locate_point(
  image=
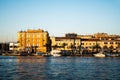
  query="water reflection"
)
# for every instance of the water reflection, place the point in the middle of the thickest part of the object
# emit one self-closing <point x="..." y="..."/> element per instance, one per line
<point x="31" y="59"/>
<point x="59" y="68"/>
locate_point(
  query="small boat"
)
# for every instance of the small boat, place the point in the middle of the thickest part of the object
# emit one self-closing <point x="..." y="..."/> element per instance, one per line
<point x="55" y="53"/>
<point x="65" y="53"/>
<point x="100" y="54"/>
<point x="39" y="53"/>
<point x="45" y="54"/>
<point x="112" y="54"/>
<point x="25" y="53"/>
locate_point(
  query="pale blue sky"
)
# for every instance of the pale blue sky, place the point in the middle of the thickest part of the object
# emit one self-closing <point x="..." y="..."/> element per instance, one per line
<point x="59" y="17"/>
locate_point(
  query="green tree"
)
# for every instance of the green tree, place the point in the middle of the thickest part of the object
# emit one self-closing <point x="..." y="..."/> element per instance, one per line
<point x="96" y="47"/>
<point x="64" y="44"/>
<point x="111" y="48"/>
<point x="72" y="48"/>
<point x="55" y="46"/>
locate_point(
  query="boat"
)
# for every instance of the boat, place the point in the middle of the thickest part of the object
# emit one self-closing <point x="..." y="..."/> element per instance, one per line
<point x="55" y="53"/>
<point x="100" y="54"/>
<point x="65" y="53"/>
<point x="45" y="54"/>
<point x="25" y="53"/>
<point x="39" y="53"/>
<point x="112" y="54"/>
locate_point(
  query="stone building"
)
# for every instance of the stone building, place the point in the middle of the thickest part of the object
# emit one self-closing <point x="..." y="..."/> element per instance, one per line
<point x="34" y="40"/>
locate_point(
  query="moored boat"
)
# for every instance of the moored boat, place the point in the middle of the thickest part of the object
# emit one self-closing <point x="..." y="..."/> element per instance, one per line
<point x="55" y="53"/>
<point x="65" y="53"/>
<point x="100" y="54"/>
<point x="112" y="54"/>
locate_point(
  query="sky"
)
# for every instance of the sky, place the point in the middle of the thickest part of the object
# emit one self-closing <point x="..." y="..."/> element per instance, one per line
<point x="59" y="17"/>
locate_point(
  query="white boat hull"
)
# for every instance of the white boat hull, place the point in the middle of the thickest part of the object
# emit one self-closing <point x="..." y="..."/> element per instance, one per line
<point x="55" y="53"/>
<point x="99" y="55"/>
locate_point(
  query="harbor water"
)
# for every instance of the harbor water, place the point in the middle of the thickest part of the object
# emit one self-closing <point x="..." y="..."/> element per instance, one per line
<point x="58" y="68"/>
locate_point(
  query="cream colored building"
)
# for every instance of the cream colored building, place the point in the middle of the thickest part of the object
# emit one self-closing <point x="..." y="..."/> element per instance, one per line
<point x="33" y="40"/>
<point x="69" y="42"/>
<point x="86" y="43"/>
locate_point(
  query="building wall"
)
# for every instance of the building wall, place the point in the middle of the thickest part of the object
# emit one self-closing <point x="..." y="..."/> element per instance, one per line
<point x="64" y="40"/>
<point x="33" y="40"/>
<point x="13" y="46"/>
<point x="86" y="43"/>
<point x="4" y="47"/>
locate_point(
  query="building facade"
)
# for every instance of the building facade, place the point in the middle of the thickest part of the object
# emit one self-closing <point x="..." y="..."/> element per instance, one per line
<point x="34" y="40"/>
<point x="13" y="46"/>
<point x="85" y="43"/>
<point x="4" y="47"/>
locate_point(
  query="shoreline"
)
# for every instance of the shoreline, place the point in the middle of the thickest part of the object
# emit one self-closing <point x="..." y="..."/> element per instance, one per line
<point x="84" y="55"/>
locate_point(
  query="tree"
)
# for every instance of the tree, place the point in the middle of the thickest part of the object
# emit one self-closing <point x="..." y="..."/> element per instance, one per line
<point x="64" y="44"/>
<point x="55" y="46"/>
<point x="96" y="47"/>
<point x="105" y="48"/>
<point x="111" y="48"/>
<point x="72" y="48"/>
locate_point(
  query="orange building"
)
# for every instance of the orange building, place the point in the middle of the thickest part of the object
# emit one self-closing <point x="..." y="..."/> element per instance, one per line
<point x="34" y="40"/>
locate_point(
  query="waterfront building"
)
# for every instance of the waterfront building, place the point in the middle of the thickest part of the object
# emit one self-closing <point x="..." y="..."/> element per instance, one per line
<point x="65" y="43"/>
<point x="13" y="46"/>
<point x="90" y="43"/>
<point x="4" y="47"/>
<point x="69" y="42"/>
<point x="34" y="40"/>
<point x="99" y="35"/>
<point x="85" y="36"/>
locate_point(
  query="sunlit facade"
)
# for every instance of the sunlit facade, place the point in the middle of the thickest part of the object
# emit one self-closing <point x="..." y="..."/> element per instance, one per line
<point x="65" y="43"/>
<point x="103" y="42"/>
<point x="33" y="40"/>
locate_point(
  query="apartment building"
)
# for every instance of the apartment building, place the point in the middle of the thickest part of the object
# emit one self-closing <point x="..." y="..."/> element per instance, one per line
<point x="65" y="42"/>
<point x="34" y="40"/>
<point x="86" y="42"/>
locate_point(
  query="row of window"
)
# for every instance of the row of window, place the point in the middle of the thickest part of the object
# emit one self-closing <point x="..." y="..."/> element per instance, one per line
<point x="90" y="43"/>
<point x="68" y="40"/>
<point x="111" y="42"/>
<point x="33" y="45"/>
<point x="60" y="44"/>
<point x="38" y="36"/>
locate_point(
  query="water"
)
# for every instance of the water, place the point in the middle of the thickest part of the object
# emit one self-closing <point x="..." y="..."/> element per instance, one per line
<point x="59" y="68"/>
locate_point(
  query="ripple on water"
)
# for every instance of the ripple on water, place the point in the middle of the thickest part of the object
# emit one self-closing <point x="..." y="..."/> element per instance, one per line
<point x="61" y="68"/>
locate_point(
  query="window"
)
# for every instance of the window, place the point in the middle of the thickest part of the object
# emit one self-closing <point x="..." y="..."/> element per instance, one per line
<point x="82" y="43"/>
<point x="105" y="43"/>
<point x="111" y="42"/>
